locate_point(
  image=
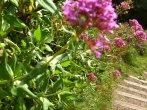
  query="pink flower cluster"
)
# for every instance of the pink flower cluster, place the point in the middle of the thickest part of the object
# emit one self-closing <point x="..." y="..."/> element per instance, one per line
<point x="140" y="35"/>
<point x="115" y="74"/>
<point x="90" y="13"/>
<point x="97" y="45"/>
<point x="103" y="43"/>
<point x="125" y="5"/>
<point x="135" y="25"/>
<point x="138" y="30"/>
<point x="91" y="77"/>
<point x="118" y="42"/>
<point x="138" y="45"/>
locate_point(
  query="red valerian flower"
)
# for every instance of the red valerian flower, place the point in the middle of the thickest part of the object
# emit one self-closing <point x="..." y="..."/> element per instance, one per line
<point x="135" y="25"/>
<point x="140" y="35"/>
<point x="118" y="42"/>
<point x="90" y="13"/>
<point x="115" y="74"/>
<point x="97" y="45"/>
<point x="91" y="77"/>
<point x="125" y="5"/>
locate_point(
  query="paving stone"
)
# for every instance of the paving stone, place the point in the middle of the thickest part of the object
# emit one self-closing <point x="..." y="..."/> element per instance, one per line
<point x="132" y="91"/>
<point x="131" y="94"/>
<point x="120" y="105"/>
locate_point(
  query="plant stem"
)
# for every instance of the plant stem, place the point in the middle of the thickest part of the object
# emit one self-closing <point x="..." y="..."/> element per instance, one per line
<point x="21" y="77"/>
<point x="1" y="9"/>
<point x="62" y="49"/>
<point x="7" y="81"/>
<point x="51" y="94"/>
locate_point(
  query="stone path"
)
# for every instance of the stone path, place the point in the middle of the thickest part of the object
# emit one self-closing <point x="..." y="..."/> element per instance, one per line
<point x="131" y="94"/>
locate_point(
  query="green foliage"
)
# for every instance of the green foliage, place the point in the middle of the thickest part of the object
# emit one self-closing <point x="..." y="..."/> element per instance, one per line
<point x="45" y="66"/>
<point x="140" y="10"/>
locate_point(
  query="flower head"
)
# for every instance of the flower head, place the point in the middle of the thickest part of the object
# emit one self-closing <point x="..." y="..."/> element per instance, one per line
<point x="135" y="25"/>
<point x="138" y="45"/>
<point x="91" y="77"/>
<point x="118" y="42"/>
<point x="115" y="74"/>
<point x="97" y="45"/>
<point x="125" y="5"/>
<point x="90" y="13"/>
<point x="140" y="35"/>
<point x="129" y="37"/>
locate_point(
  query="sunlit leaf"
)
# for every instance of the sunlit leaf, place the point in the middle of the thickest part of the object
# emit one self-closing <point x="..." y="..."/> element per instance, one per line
<point x="56" y="59"/>
<point x="37" y="34"/>
<point x="15" y="2"/>
<point x="14" y="21"/>
<point x="23" y="43"/>
<point x="2" y="33"/>
<point x="65" y="64"/>
<point x="36" y="107"/>
<point x="11" y="43"/>
<point x="48" y="48"/>
<point x="46" y="103"/>
<point x="66" y="95"/>
<point x="49" y="5"/>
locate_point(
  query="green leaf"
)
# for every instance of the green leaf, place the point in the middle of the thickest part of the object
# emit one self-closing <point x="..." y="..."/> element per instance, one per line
<point x="68" y="83"/>
<point x="65" y="64"/>
<point x="50" y="6"/>
<point x="60" y="106"/>
<point x="6" y="72"/>
<point x="13" y="62"/>
<point x="56" y="59"/>
<point x="5" y="26"/>
<point x="24" y="89"/>
<point x="75" y="67"/>
<point x="18" y="68"/>
<point x="23" y="43"/>
<point x="36" y="107"/>
<point x="12" y="44"/>
<point x="46" y="37"/>
<point x="39" y="79"/>
<point x="14" y="21"/>
<point x="15" y="2"/>
<point x="48" y="48"/>
<point x="46" y="19"/>
<point x="56" y="85"/>
<point x="13" y="89"/>
<point x="7" y="107"/>
<point x="32" y="54"/>
<point x="19" y="104"/>
<point x="2" y="33"/>
<point x="46" y="103"/>
<point x="3" y="94"/>
<point x="40" y="68"/>
<point x="32" y="38"/>
<point x="45" y="84"/>
<point x="37" y="34"/>
<point x="66" y="95"/>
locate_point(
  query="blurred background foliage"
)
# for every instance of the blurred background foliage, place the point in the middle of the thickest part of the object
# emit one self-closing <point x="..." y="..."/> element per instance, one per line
<point x="139" y="12"/>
